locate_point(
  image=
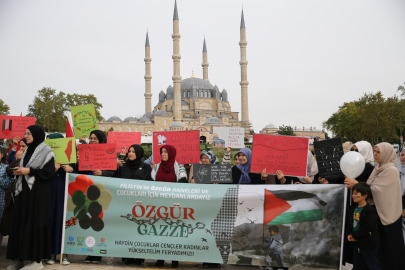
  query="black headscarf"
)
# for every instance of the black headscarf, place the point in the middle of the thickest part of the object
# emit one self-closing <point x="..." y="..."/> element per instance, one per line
<point x="39" y="136"/>
<point x="135" y="164"/>
<point x="100" y="136"/>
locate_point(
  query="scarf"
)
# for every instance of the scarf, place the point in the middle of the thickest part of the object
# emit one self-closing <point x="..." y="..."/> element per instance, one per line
<point x="402" y="171"/>
<point x="166" y="169"/>
<point x="136" y="163"/>
<point x="366" y="150"/>
<point x="312" y="167"/>
<point x="385" y="186"/>
<point x="38" y="135"/>
<point x="55" y="136"/>
<point x="211" y="156"/>
<point x="245" y="169"/>
<point x="100" y="136"/>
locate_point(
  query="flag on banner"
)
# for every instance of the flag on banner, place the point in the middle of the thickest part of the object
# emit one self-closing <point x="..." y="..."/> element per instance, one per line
<point x="290" y="206"/>
<point x="69" y="129"/>
<point x="7" y="126"/>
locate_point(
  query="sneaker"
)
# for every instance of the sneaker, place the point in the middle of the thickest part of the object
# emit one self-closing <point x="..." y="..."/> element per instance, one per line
<point x="88" y="259"/>
<point x="33" y="266"/>
<point x="52" y="260"/>
<point x="65" y="260"/>
<point x="96" y="259"/>
<point x="17" y="264"/>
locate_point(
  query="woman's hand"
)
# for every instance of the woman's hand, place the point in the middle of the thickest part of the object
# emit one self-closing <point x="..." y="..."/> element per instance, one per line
<point x="57" y="166"/>
<point x="19" y="154"/>
<point x="297" y="183"/>
<point x="97" y="173"/>
<point x="152" y="164"/>
<point x="281" y="176"/>
<point x="120" y="162"/>
<point x="199" y="162"/>
<point x="83" y="139"/>
<point x="264" y="174"/>
<point x="22" y="171"/>
<point x="67" y="168"/>
<point x="192" y="181"/>
<point x="349" y="183"/>
<point x="307" y="180"/>
<point x="323" y="181"/>
<point x="15" y="142"/>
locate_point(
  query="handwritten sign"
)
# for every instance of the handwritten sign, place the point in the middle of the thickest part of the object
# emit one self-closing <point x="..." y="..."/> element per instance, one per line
<point x="187" y="145"/>
<point x="212" y="173"/>
<point x="12" y="126"/>
<point x="84" y="120"/>
<point x="97" y="157"/>
<point x="64" y="149"/>
<point x="228" y="137"/>
<point x="124" y="140"/>
<point x="328" y="155"/>
<point x="288" y="154"/>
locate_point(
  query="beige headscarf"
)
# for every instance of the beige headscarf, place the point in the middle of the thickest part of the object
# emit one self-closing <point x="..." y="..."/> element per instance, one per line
<point x="312" y="167"/>
<point x="347" y="146"/>
<point x="385" y="185"/>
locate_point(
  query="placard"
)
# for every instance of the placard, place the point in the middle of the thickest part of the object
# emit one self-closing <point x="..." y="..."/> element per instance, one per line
<point x="288" y="154"/>
<point x="212" y="173"/>
<point x="12" y="126"/>
<point x="187" y="145"/>
<point x="328" y="155"/>
<point x="228" y="137"/>
<point x="97" y="157"/>
<point x="64" y="149"/>
<point x="124" y="140"/>
<point x="84" y="120"/>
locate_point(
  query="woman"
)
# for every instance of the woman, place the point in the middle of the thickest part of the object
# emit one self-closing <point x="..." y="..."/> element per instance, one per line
<point x="386" y="190"/>
<point x="207" y="157"/>
<point x="366" y="150"/>
<point x="402" y="173"/>
<point x="18" y="156"/>
<point x="56" y="205"/>
<point x="13" y="151"/>
<point x="168" y="170"/>
<point x="29" y="237"/>
<point x="241" y="173"/>
<point x="5" y="182"/>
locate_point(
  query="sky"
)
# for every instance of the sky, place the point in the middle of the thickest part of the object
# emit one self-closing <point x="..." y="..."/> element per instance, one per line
<point x="306" y="58"/>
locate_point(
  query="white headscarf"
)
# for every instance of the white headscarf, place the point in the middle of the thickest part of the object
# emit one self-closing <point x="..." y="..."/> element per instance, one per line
<point x="312" y="167"/>
<point x="366" y="150"/>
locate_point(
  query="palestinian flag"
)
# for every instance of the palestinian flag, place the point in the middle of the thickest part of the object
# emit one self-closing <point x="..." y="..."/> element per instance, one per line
<point x="7" y="126"/>
<point x="291" y="206"/>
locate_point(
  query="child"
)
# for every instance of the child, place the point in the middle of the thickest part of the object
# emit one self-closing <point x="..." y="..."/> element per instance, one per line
<point x="365" y="230"/>
<point x="276" y="248"/>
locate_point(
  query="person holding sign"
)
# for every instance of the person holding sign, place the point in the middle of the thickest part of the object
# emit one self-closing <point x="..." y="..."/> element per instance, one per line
<point x="366" y="150"/>
<point x="207" y="157"/>
<point x="29" y="238"/>
<point x="241" y="173"/>
<point x="17" y="145"/>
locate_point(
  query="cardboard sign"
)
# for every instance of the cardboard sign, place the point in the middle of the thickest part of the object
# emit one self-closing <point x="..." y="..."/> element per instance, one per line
<point x="64" y="149"/>
<point x="328" y="155"/>
<point x="288" y="154"/>
<point x="187" y="145"/>
<point x="212" y="173"/>
<point x="97" y="157"/>
<point x="228" y="137"/>
<point x="12" y="126"/>
<point x="124" y="140"/>
<point x="84" y="120"/>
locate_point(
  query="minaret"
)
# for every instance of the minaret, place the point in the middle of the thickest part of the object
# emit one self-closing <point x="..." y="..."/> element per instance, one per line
<point x="148" y="77"/>
<point x="176" y="65"/>
<point x="244" y="82"/>
<point x="205" y="62"/>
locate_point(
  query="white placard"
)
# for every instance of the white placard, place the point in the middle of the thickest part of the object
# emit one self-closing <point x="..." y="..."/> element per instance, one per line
<point x="229" y="137"/>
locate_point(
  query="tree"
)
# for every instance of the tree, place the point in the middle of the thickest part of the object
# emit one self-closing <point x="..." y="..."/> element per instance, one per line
<point x="4" y="108"/>
<point x="106" y="132"/>
<point x="401" y="88"/>
<point x="286" y="130"/>
<point x="251" y="132"/>
<point x="326" y="135"/>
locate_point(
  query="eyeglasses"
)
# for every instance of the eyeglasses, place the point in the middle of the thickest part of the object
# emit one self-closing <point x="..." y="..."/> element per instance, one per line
<point x="27" y="134"/>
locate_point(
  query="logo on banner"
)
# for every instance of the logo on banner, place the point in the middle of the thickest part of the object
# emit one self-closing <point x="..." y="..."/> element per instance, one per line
<point x="7" y="126"/>
<point x="71" y="239"/>
<point x="80" y="239"/>
<point x="86" y="250"/>
<point x="73" y="249"/>
<point x="101" y="251"/>
<point x="102" y="243"/>
<point x="90" y="241"/>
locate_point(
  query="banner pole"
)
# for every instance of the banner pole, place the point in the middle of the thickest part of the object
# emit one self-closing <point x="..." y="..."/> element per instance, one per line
<point x="343" y="228"/>
<point x="64" y="219"/>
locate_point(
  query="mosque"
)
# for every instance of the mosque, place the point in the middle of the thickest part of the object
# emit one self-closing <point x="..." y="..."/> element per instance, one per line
<point x="190" y="104"/>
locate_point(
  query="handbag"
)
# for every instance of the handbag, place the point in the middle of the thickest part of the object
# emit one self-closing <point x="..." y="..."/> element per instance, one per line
<point x="6" y="219"/>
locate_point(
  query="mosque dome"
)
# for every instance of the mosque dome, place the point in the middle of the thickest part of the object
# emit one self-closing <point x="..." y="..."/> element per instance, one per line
<point x="216" y="87"/>
<point x="213" y="120"/>
<point x="270" y="126"/>
<point x="161" y="113"/>
<point x="176" y="124"/>
<point x="130" y="119"/>
<point x="148" y="115"/>
<point x="114" y="118"/>
<point x="161" y="93"/>
<point x="196" y="83"/>
<point x="144" y="119"/>
<point x="170" y="88"/>
<point x="224" y="92"/>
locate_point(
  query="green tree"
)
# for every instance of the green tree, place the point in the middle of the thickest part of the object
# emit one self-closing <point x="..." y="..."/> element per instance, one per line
<point x="401" y="88"/>
<point x="326" y="135"/>
<point x="4" y="108"/>
<point x="77" y="100"/>
<point x="106" y="132"/>
<point x="286" y="130"/>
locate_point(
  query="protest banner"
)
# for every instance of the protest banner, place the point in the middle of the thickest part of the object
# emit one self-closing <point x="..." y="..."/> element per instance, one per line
<point x="84" y="120"/>
<point x="288" y="154"/>
<point x="124" y="140"/>
<point x="328" y="155"/>
<point x="12" y="126"/>
<point x="97" y="157"/>
<point x="203" y="223"/>
<point x="229" y="137"/>
<point x="187" y="145"/>
<point x="212" y="173"/>
<point x="64" y="149"/>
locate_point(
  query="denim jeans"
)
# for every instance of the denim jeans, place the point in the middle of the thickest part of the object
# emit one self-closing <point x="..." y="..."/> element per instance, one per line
<point x="365" y="257"/>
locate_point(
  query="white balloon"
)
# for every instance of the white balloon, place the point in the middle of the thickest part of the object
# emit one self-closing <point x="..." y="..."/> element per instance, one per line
<point x="352" y="164"/>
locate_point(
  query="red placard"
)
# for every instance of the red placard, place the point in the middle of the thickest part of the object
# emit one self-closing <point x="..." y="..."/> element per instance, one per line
<point x="187" y="145"/>
<point x="288" y="154"/>
<point x="97" y="157"/>
<point x="12" y="126"/>
<point x="124" y="140"/>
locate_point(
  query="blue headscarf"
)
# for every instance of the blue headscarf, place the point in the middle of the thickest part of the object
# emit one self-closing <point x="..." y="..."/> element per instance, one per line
<point x="245" y="169"/>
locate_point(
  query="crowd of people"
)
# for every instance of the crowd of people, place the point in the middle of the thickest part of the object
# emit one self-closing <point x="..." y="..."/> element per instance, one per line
<point x="32" y="188"/>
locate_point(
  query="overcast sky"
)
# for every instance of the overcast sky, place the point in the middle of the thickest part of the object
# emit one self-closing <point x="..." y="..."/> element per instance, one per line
<point x="305" y="57"/>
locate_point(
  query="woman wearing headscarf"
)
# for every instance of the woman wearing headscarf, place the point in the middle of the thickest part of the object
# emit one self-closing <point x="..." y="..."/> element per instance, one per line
<point x="29" y="238"/>
<point x="366" y="150"/>
<point x="168" y="170"/>
<point x="5" y="182"/>
<point x="387" y="198"/>
<point x="241" y="173"/>
<point x="23" y="146"/>
<point x="402" y="173"/>
<point x="207" y="157"/>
